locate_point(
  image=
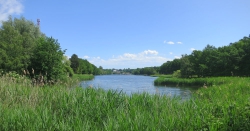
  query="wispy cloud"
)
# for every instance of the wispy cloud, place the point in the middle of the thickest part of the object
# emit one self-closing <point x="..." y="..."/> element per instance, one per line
<point x="170" y="53"/>
<point x="129" y="60"/>
<point x="192" y="49"/>
<point x="153" y="52"/>
<point x="85" y="57"/>
<point x="10" y="7"/>
<point x="171" y="42"/>
<point x="168" y="42"/>
<point x="177" y="57"/>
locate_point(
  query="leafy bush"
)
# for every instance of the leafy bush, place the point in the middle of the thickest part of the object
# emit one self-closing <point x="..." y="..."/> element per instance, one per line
<point x="177" y="74"/>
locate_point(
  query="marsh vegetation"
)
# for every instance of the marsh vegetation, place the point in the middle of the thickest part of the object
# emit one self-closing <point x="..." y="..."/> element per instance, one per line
<point x="219" y="107"/>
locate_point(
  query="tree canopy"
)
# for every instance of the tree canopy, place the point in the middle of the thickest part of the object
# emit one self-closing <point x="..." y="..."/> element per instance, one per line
<point x="231" y="60"/>
<point x="24" y="47"/>
<point x="82" y="66"/>
<point x="47" y="58"/>
<point x="17" y="41"/>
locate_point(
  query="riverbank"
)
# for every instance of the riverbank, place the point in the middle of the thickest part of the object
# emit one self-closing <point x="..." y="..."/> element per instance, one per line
<point x="200" y="82"/>
<point x="23" y="107"/>
<point x="82" y="77"/>
<point x="75" y="80"/>
<point x="159" y="75"/>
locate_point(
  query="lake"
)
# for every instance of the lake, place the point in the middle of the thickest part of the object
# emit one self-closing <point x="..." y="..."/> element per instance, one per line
<point x="136" y="84"/>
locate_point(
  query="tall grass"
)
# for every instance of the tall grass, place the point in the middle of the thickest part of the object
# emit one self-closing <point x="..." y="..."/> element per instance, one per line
<point x="23" y="107"/>
<point x="82" y="77"/>
<point x="194" y="81"/>
<point x="160" y="75"/>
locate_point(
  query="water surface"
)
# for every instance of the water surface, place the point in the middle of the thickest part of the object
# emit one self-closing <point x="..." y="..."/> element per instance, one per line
<point x="136" y="84"/>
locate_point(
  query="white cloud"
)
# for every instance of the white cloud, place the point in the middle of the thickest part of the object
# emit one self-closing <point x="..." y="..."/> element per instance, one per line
<point x="85" y="57"/>
<point x="192" y="49"/>
<point x="170" y="42"/>
<point x="177" y="57"/>
<point x="128" y="55"/>
<point x="153" y="52"/>
<point x="129" y="60"/>
<point x="170" y="53"/>
<point x="10" y="7"/>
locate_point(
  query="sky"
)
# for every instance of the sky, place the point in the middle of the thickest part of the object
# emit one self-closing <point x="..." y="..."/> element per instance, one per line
<point x="135" y="33"/>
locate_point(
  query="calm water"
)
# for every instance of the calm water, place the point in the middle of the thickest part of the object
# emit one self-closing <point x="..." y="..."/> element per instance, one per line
<point x="136" y="84"/>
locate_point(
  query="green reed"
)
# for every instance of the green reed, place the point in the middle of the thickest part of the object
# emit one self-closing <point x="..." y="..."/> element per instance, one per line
<point x="194" y="81"/>
<point x="82" y="77"/>
<point x="219" y="107"/>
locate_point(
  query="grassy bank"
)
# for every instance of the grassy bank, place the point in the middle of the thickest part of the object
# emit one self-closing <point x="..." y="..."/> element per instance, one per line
<point x="74" y="81"/>
<point x="159" y="75"/>
<point x="82" y="77"/>
<point x="23" y="107"/>
<point x="194" y="81"/>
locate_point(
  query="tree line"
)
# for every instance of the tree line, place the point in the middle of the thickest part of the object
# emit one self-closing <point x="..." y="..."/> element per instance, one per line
<point x="230" y="60"/>
<point x="82" y="66"/>
<point x="26" y="50"/>
<point x="137" y="71"/>
<point x="146" y="71"/>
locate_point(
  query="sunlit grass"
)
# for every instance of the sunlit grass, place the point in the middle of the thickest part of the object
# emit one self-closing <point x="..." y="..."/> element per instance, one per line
<point x="194" y="81"/>
<point x="160" y="75"/>
<point x="82" y="77"/>
<point x="219" y="107"/>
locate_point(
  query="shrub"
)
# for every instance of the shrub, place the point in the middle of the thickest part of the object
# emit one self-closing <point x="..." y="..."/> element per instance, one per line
<point x="177" y="74"/>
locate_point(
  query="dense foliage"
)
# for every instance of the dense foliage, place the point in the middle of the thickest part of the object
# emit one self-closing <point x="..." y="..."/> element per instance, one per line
<point x="170" y="66"/>
<point x="231" y="60"/>
<point x="47" y="58"/>
<point x="17" y="41"/>
<point x="26" y="50"/>
<point x="82" y="66"/>
<point x="146" y="71"/>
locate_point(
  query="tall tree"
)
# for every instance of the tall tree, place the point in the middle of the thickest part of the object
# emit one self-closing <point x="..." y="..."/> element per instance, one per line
<point x="47" y="58"/>
<point x="187" y="69"/>
<point x="67" y="69"/>
<point x="196" y="59"/>
<point x="74" y="63"/>
<point x="17" y="41"/>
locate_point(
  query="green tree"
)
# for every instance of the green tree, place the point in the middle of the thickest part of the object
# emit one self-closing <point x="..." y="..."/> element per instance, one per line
<point x="74" y="63"/>
<point x="196" y="59"/>
<point x="17" y="41"/>
<point x="209" y="58"/>
<point x="67" y="69"/>
<point x="244" y="64"/>
<point x="83" y="67"/>
<point x="48" y="58"/>
<point x="187" y="69"/>
<point x="170" y="66"/>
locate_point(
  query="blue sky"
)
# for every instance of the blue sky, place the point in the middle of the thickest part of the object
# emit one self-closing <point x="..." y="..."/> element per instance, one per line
<point x="135" y="33"/>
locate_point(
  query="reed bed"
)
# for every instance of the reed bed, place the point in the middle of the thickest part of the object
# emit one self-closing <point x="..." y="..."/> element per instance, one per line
<point x="82" y="77"/>
<point x="24" y="107"/>
<point x="212" y="81"/>
<point x="160" y="75"/>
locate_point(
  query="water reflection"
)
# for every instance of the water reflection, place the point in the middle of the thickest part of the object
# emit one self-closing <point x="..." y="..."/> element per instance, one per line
<point x="136" y="84"/>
